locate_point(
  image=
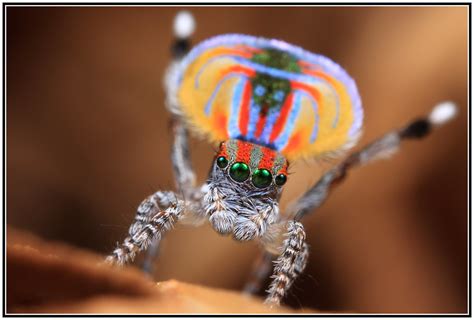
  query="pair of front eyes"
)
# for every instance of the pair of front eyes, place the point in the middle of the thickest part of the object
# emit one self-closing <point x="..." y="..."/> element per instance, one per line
<point x="240" y="172"/>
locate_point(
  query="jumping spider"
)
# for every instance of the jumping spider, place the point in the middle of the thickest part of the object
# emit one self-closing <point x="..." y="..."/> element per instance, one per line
<point x="267" y="102"/>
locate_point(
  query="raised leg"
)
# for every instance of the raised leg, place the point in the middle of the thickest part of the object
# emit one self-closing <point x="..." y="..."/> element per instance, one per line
<point x="380" y="148"/>
<point x="155" y="215"/>
<point x="289" y="264"/>
<point x="294" y="255"/>
<point x="183" y="172"/>
<point x="185" y="177"/>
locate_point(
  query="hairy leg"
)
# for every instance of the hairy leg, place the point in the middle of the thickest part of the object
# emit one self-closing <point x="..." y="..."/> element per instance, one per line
<point x="295" y="252"/>
<point x="380" y="148"/>
<point x="155" y="215"/>
<point x="271" y="241"/>
<point x="289" y="264"/>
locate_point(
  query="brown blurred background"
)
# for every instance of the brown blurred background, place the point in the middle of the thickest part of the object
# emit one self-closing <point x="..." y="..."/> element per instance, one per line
<point x="88" y="139"/>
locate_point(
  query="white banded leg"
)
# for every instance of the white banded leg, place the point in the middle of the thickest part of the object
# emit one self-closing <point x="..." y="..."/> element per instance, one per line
<point x="295" y="251"/>
<point x="380" y="148"/>
<point x="155" y="215"/>
<point x="289" y="264"/>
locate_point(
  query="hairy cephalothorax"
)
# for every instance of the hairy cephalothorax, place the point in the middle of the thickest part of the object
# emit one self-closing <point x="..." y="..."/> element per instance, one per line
<point x="238" y="202"/>
<point x="267" y="103"/>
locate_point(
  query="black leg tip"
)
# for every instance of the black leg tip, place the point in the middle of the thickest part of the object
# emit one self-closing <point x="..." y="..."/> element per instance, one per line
<point x="416" y="129"/>
<point x="180" y="48"/>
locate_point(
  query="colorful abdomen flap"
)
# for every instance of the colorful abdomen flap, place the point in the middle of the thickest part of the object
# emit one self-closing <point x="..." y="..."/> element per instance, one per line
<point x="270" y="93"/>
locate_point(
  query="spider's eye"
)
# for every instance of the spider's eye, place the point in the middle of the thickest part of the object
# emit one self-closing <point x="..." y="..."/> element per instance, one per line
<point x="280" y="179"/>
<point x="261" y="178"/>
<point x="222" y="162"/>
<point x="239" y="171"/>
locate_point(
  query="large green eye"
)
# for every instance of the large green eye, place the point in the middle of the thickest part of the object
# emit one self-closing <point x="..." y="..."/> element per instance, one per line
<point x="280" y="179"/>
<point x="239" y="171"/>
<point x="261" y="178"/>
<point x="222" y="162"/>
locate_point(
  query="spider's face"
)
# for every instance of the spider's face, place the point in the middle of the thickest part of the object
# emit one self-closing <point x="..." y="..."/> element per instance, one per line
<point x="244" y="187"/>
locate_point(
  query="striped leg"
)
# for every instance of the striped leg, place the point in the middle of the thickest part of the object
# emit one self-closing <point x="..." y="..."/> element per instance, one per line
<point x="380" y="148"/>
<point x="155" y="215"/>
<point x="289" y="264"/>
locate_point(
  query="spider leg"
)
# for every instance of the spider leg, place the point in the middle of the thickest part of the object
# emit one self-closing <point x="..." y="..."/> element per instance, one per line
<point x="380" y="148"/>
<point x="185" y="177"/>
<point x="271" y="247"/>
<point x="260" y="271"/>
<point x="155" y="215"/>
<point x="289" y="264"/>
<point x="151" y="254"/>
<point x="294" y="255"/>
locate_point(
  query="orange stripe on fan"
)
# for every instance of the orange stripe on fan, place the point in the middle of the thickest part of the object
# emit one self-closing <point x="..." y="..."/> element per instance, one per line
<point x="238" y="69"/>
<point x="245" y="109"/>
<point x="294" y="143"/>
<point x="323" y="75"/>
<point x="260" y="124"/>
<point x="312" y="91"/>
<point x="282" y="118"/>
<point x="219" y="121"/>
